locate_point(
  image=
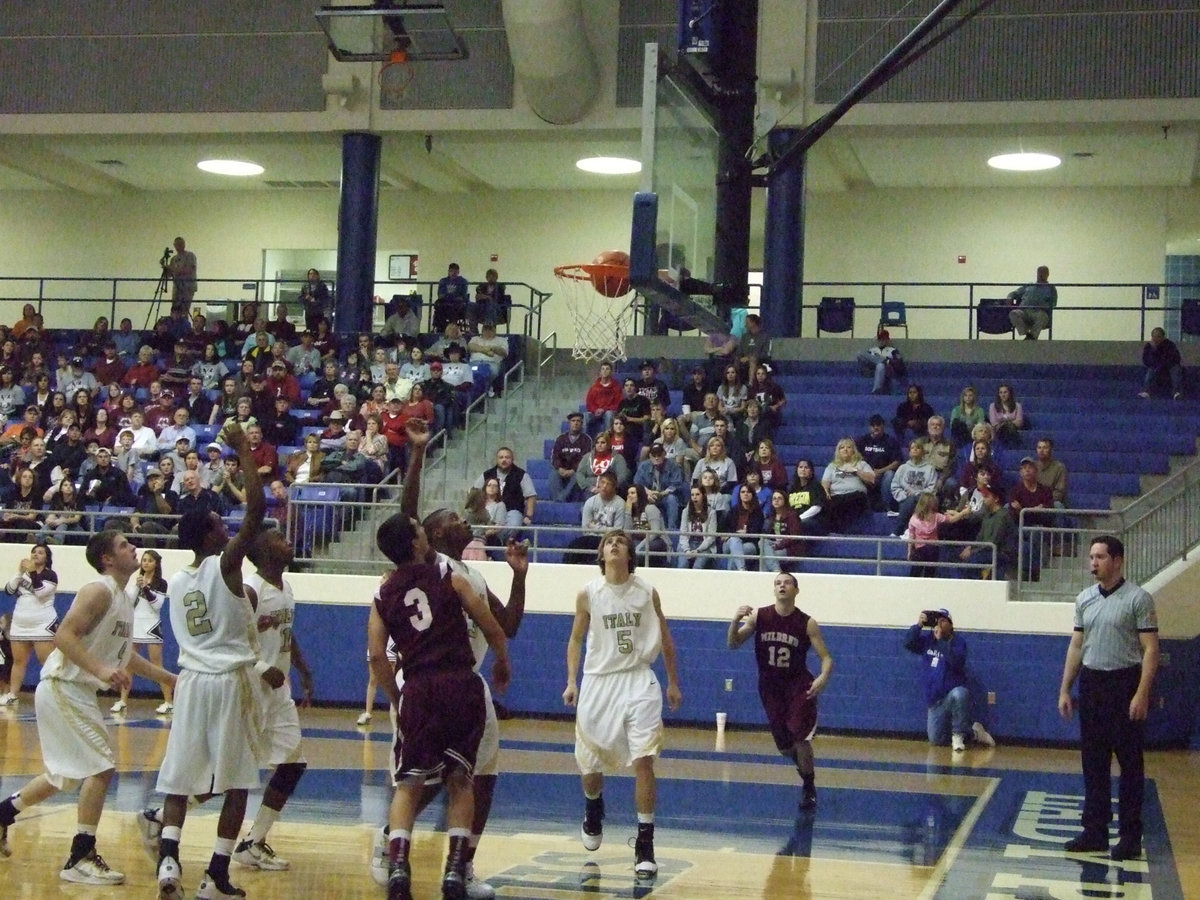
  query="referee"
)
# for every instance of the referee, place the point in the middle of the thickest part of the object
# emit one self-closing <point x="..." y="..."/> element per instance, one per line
<point x="1114" y="654"/>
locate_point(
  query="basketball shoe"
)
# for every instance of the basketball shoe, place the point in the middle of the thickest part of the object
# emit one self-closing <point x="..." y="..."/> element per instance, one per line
<point x="380" y="861"/>
<point x="476" y="889"/>
<point x="92" y="869"/>
<point x="592" y="832"/>
<point x="170" y="876"/>
<point x="454" y="885"/>
<point x="211" y="889"/>
<point x="399" y="883"/>
<point x="644" y="865"/>
<point x="150" y="829"/>
<point x="259" y="855"/>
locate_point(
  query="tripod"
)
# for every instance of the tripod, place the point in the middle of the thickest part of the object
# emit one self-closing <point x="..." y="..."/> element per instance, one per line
<point x="160" y="290"/>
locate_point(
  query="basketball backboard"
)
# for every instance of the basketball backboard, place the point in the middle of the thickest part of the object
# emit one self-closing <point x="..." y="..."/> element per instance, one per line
<point x="421" y="31"/>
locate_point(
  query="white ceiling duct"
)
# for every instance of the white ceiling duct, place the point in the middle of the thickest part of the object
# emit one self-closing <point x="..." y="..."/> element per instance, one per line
<point x="551" y="57"/>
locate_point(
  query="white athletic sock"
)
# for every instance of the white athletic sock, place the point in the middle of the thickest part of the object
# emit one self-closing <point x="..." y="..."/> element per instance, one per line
<point x="17" y="802"/>
<point x="80" y="828"/>
<point x="262" y="823"/>
<point x="645" y="818"/>
<point x="172" y="833"/>
<point x="223" y="846"/>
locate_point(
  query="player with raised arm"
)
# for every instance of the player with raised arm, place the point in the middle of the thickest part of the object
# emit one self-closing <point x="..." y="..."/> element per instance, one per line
<point x="216" y="743"/>
<point x="782" y="638"/>
<point x="448" y="534"/>
<point x="441" y="706"/>
<point x="92" y="652"/>
<point x="618" y="721"/>
<point x="275" y="605"/>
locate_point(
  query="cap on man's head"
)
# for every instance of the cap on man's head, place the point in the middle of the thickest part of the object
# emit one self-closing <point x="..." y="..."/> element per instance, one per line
<point x="215" y="446"/>
<point x="945" y="614"/>
<point x="435" y="366"/>
<point x="105" y="451"/>
<point x="1028" y="459"/>
<point x="155" y="473"/>
<point x="883" y="334"/>
<point x="167" y="395"/>
<point x="182" y="439"/>
<point x="648" y="364"/>
<point x="258" y="376"/>
<point x="574" y="415"/>
<point x="336" y="416"/>
<point x="658" y="450"/>
<point x="77" y="361"/>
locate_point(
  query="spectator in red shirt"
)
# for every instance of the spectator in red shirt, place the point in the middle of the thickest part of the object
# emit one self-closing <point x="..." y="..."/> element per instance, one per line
<point x="265" y="457"/>
<point x="142" y="374"/>
<point x="418" y="407"/>
<point x="393" y="421"/>
<point x="109" y="367"/>
<point x="161" y="414"/>
<point x="280" y="383"/>
<point x="1028" y="493"/>
<point x="603" y="398"/>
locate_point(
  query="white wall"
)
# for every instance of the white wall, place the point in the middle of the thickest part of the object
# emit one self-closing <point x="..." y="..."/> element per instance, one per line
<point x="903" y="235"/>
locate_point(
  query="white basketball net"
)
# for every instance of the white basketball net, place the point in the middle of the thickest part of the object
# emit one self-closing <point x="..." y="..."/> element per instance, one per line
<point x="601" y="322"/>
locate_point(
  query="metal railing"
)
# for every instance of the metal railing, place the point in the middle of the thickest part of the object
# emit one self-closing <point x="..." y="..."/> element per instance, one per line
<point x="156" y="530"/>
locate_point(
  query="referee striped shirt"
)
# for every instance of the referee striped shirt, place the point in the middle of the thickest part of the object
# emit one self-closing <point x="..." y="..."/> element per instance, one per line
<point x="1111" y="624"/>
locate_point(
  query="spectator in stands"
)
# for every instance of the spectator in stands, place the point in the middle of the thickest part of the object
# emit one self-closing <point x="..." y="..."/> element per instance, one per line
<point x="178" y="368"/>
<point x="939" y="452"/>
<point x="144" y="372"/>
<point x="259" y="354"/>
<point x="697" y="533"/>
<point x="39" y="462"/>
<point x="281" y="327"/>
<point x="161" y="340"/>
<point x="602" y="512"/>
<point x="623" y="443"/>
<point x="68" y="454"/>
<point x="279" y="352"/>
<point x="807" y="496"/>
<point x="281" y="383"/>
<point x="769" y="466"/>
<point x="334" y="437"/>
<point x="376" y="403"/>
<point x="245" y="376"/>
<point x="415" y="367"/>
<point x="743" y="523"/>
<point x="53" y="412"/>
<point x="1029" y="494"/>
<point x="79" y="380"/>
<point x="754" y="346"/>
<point x="702" y="422"/>
<point x="458" y="375"/>
<point x="634" y="408"/>
<point x="720" y="349"/>
<point x="981" y="458"/>
<point x="196" y="402"/>
<point x="306" y="465"/>
<point x="374" y="445"/>
<point x="8" y="353"/>
<point x="677" y="449"/>
<point x="495" y="513"/>
<point x="598" y="460"/>
<point x="913" y="480"/>
<point x="516" y="488"/>
<point x="734" y="448"/>
<point x="882" y="452"/>
<point x="179" y="429"/>
<point x="231" y="487"/>
<point x="28" y="317"/>
<point x="31" y="419"/>
<point x="404" y="322"/>
<point x="646" y="528"/>
<point x="491" y="299"/>
<point x="732" y="395"/>
<point x="378" y="367"/>
<point x="663" y="481"/>
<point x="1163" y="364"/>
<point x="441" y="395"/>
<point x="717" y="461"/>
<point x="394" y="385"/>
<point x="1006" y="416"/>
<point x="652" y="429"/>
<point x="214" y="466"/>
<point x="22" y="508"/>
<point x="316" y="299"/>
<point x="392" y="427"/>
<point x="156" y="498"/>
<point x="450" y="334"/>
<point x="653" y="388"/>
<point x="36" y="373"/>
<point x="195" y="497"/>
<point x="488" y="350"/>
<point x="1033" y="304"/>
<point x="92" y="343"/>
<point x="161" y="412"/>
<point x="1051" y="472"/>
<point x="283" y="427"/>
<point x="325" y="340"/>
<point x="693" y="395"/>
<point x="65" y="420"/>
<point x="64" y="515"/>
<point x="719" y="502"/>
<point x="107" y="484"/>
<point x="770" y="396"/>
<point x="109" y="367"/>
<point x="258" y="341"/>
<point x="453" y="299"/>
<point x="784" y="529"/>
<point x="265" y="457"/>
<point x="12" y="395"/>
<point x="965" y="416"/>
<point x="753" y="428"/>
<point x="262" y="398"/>
<point x="569" y="448"/>
<point x="304" y="357"/>
<point x="245" y="325"/>
<point x="971" y="509"/>
<point x="128" y="341"/>
<point x="196" y="338"/>
<point x="602" y="400"/>
<point x="912" y="414"/>
<point x="845" y="480"/>
<point x="418" y="407"/>
<point x="226" y="406"/>
<point x="882" y="361"/>
<point x="996" y="527"/>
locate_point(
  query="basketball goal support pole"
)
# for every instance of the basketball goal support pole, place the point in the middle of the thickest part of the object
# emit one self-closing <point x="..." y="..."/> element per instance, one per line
<point x="358" y="225"/>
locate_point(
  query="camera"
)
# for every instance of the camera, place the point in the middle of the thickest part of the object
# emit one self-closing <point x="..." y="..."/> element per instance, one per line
<point x="931" y="617"/>
<point x="166" y="257"/>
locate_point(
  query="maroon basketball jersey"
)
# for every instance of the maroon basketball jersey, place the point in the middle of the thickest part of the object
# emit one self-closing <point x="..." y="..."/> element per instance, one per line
<point x="425" y="618"/>
<point x="781" y="644"/>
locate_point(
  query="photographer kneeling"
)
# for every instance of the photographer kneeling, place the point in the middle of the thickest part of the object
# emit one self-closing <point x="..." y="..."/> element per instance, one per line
<point x="944" y="677"/>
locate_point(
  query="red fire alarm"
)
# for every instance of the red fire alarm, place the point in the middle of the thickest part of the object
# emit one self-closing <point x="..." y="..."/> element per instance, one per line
<point x="962" y="260"/>
<point x="495" y="257"/>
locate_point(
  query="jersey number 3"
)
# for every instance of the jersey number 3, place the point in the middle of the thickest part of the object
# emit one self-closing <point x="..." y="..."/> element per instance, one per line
<point x="422" y="618"/>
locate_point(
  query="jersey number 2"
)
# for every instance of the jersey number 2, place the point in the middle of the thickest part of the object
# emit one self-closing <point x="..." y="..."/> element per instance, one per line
<point x="422" y="618"/>
<point x="197" y="614"/>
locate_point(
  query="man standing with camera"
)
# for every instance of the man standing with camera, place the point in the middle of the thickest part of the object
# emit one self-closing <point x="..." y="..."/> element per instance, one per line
<point x="182" y="270"/>
<point x="944" y="678"/>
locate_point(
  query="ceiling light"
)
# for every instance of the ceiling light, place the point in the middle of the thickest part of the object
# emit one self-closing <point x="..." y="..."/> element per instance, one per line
<point x="237" y="167"/>
<point x="1024" y="162"/>
<point x="609" y="165"/>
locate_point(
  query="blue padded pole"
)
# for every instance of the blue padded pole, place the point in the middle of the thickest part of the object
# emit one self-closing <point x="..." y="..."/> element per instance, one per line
<point x="358" y="224"/>
<point x="783" y="253"/>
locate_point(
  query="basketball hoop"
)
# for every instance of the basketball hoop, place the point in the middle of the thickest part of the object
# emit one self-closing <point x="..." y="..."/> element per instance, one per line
<point x="395" y="76"/>
<point x="601" y="302"/>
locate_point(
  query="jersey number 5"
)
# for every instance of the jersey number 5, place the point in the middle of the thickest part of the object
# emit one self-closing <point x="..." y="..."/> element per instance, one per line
<point x="423" y="617"/>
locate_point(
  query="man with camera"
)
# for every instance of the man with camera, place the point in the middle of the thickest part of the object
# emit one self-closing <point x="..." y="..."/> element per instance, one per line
<point x="944" y="678"/>
<point x="181" y="268"/>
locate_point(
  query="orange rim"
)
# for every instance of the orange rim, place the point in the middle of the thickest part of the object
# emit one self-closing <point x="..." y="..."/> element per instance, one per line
<point x="589" y="271"/>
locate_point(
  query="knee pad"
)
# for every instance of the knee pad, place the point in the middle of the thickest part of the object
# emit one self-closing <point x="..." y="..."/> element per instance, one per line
<point x="286" y="777"/>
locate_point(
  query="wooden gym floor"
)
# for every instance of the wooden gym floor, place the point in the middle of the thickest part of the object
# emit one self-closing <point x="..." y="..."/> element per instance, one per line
<point x="896" y="819"/>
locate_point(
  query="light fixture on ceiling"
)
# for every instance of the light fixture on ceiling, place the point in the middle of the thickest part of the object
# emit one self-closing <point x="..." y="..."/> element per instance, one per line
<point x="237" y="167"/>
<point x="1024" y="162"/>
<point x="609" y="165"/>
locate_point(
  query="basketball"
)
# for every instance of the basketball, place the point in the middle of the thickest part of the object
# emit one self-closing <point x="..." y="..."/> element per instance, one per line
<point x="608" y="283"/>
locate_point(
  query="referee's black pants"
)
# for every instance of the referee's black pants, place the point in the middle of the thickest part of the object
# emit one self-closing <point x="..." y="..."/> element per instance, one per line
<point x="1106" y="729"/>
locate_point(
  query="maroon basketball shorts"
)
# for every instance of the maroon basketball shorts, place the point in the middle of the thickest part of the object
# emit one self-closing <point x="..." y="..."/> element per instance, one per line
<point x="441" y="721"/>
<point x="790" y="714"/>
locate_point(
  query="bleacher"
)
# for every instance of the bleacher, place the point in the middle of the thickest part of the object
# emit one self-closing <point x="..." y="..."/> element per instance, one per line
<point x="1106" y="435"/>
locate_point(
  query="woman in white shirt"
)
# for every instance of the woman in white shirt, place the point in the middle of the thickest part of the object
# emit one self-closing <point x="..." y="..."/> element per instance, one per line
<point x="845" y="481"/>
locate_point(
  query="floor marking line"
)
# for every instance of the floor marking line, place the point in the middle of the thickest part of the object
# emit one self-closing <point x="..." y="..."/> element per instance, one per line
<point x="958" y="841"/>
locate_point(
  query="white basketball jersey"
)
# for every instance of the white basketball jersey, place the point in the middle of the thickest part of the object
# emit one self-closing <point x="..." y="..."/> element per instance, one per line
<point x="211" y="624"/>
<point x="479" y="644"/>
<point x="623" y="633"/>
<point x="108" y="641"/>
<point x="274" y="644"/>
